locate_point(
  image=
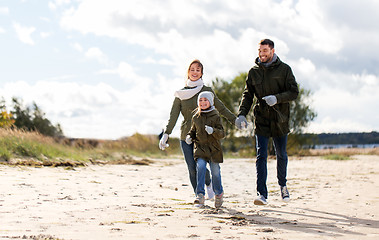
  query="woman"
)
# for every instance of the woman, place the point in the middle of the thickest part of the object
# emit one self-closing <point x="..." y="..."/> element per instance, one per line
<point x="185" y="102"/>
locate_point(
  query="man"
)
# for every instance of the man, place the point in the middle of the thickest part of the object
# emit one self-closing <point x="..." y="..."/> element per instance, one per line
<point x="272" y="82"/>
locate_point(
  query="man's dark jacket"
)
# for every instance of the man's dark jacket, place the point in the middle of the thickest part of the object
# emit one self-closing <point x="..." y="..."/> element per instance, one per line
<point x="276" y="79"/>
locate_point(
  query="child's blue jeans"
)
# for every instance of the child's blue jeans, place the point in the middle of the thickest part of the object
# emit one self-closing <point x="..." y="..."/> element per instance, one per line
<point x="216" y="176"/>
<point x="187" y="150"/>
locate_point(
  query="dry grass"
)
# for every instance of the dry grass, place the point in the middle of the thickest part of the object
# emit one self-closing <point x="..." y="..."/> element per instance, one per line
<point x="21" y="134"/>
<point x="344" y="151"/>
<point x="18" y="147"/>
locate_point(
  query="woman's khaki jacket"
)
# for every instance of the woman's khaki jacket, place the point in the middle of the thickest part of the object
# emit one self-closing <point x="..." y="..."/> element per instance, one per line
<point x="187" y="107"/>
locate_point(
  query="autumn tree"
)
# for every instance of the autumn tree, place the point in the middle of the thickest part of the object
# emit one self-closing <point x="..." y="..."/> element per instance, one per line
<point x="6" y="120"/>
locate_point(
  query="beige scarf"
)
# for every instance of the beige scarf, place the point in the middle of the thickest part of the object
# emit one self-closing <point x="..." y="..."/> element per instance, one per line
<point x="187" y="93"/>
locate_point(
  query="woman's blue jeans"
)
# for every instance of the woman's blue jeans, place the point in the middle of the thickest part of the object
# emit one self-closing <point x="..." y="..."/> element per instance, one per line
<point x="187" y="150"/>
<point x="216" y="176"/>
<point x="280" y="145"/>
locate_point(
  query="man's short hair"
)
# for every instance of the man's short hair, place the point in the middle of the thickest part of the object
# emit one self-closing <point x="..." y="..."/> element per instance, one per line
<point x="268" y="42"/>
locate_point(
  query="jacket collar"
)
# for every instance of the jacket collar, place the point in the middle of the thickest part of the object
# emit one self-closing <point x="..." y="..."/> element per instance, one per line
<point x="274" y="62"/>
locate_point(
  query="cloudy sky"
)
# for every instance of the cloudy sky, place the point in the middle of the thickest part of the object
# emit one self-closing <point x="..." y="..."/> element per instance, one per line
<point x="109" y="68"/>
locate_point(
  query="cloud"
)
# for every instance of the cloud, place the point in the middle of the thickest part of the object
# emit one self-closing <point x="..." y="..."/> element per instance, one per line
<point x="345" y="13"/>
<point x="98" y="111"/>
<point x="333" y="125"/>
<point x="224" y="37"/>
<point x="144" y="48"/>
<point x="77" y="46"/>
<point x="216" y="33"/>
<point x="45" y="34"/>
<point x="306" y="23"/>
<point x="128" y="73"/>
<point x="57" y="3"/>
<point x="4" y="10"/>
<point x="24" y="33"/>
<point x="340" y="110"/>
<point x="95" y="53"/>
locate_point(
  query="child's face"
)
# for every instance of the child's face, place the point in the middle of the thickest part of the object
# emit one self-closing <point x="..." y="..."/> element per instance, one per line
<point x="194" y="72"/>
<point x="204" y="103"/>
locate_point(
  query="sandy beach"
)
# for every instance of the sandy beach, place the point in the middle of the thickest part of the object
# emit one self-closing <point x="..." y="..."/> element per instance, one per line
<point x="329" y="200"/>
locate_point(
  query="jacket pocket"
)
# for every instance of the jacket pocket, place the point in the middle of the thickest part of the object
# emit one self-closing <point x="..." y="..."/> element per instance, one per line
<point x="282" y="112"/>
<point x="258" y="87"/>
<point x="216" y="147"/>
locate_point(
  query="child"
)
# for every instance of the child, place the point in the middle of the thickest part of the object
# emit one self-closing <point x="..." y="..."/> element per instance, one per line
<point x="206" y="132"/>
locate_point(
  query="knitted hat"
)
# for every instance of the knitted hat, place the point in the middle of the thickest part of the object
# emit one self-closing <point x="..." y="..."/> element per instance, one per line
<point x="208" y="95"/>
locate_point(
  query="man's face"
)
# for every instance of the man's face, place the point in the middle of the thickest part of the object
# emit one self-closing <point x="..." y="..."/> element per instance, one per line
<point x="265" y="53"/>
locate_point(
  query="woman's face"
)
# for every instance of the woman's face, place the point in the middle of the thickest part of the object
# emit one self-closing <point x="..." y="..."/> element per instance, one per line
<point x="195" y="72"/>
<point x="204" y="103"/>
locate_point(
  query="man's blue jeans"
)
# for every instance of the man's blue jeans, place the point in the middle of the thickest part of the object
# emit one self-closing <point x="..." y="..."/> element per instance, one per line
<point x="280" y="145"/>
<point x="187" y="150"/>
<point x="216" y="176"/>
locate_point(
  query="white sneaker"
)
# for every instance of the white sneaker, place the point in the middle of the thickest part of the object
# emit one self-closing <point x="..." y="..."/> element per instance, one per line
<point x="260" y="200"/>
<point x="285" y="194"/>
<point x="199" y="201"/>
<point x="210" y="192"/>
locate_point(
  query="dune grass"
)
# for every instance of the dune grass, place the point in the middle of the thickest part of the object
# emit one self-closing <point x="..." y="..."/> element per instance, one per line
<point x="19" y="147"/>
<point x="337" y="157"/>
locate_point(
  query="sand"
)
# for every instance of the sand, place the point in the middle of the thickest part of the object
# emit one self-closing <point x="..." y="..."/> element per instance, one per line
<point x="329" y="200"/>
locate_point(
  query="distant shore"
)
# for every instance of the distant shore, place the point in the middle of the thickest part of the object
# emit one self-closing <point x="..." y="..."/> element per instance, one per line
<point x="334" y="146"/>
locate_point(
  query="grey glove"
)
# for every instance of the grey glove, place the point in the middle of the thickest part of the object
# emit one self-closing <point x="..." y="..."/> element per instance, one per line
<point x="188" y="139"/>
<point x="208" y="129"/>
<point x="241" y="122"/>
<point x="163" y="142"/>
<point x="270" y="100"/>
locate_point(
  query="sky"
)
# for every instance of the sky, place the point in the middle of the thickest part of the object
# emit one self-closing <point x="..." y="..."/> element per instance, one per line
<point x="107" y="69"/>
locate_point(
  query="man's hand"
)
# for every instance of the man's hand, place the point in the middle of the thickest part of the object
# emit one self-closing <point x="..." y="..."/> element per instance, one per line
<point x="241" y="122"/>
<point x="270" y="100"/>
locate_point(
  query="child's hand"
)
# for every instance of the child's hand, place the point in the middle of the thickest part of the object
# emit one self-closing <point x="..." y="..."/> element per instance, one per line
<point x="208" y="129"/>
<point x="188" y="139"/>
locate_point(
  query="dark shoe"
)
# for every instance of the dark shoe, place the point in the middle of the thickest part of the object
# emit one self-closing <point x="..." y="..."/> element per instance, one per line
<point x="260" y="200"/>
<point x="285" y="194"/>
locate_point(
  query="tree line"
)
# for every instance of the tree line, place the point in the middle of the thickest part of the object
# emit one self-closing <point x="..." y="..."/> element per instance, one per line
<point x="344" y="138"/>
<point x="28" y="118"/>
